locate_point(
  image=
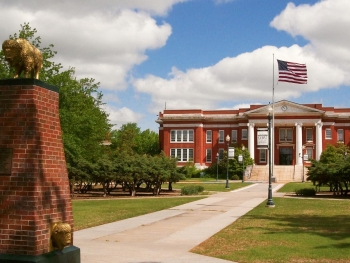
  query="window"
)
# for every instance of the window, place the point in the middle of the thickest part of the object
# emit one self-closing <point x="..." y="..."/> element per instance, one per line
<point x="181" y="135"/>
<point x="221" y="136"/>
<point x="286" y="135"/>
<point x="244" y="134"/>
<point x="328" y="134"/>
<point x="309" y="135"/>
<point x="340" y="135"/>
<point x="208" y="137"/>
<point x="221" y="153"/>
<point x="234" y="136"/>
<point x="309" y="152"/>
<point x="182" y="155"/>
<point x="208" y="156"/>
<point x="262" y="155"/>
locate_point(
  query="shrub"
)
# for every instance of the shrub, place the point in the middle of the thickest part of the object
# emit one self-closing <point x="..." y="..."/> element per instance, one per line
<point x="191" y="189"/>
<point x="235" y="177"/>
<point x="306" y="192"/>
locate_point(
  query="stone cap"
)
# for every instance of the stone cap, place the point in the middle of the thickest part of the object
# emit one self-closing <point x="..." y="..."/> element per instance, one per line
<point x="28" y="81"/>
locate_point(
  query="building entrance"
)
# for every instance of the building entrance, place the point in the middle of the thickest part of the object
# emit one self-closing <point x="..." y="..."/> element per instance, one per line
<point x="286" y="156"/>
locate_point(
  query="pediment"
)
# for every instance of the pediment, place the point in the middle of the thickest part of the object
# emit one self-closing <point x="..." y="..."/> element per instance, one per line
<point x="285" y="107"/>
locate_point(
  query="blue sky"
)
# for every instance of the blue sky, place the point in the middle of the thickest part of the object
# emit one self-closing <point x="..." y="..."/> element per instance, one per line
<point x="203" y="54"/>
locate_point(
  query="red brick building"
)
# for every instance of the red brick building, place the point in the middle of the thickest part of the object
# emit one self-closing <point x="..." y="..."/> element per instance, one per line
<point x="299" y="129"/>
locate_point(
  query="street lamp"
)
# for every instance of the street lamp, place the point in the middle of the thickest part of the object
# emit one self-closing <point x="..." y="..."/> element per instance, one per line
<point x="228" y="142"/>
<point x="217" y="166"/>
<point x="270" y="202"/>
<point x="241" y="160"/>
<point x="304" y="157"/>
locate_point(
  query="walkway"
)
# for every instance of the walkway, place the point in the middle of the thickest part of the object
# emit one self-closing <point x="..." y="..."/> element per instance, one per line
<point x="167" y="236"/>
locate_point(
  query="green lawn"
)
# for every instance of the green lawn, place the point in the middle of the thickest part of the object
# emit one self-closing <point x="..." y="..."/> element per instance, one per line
<point x="89" y="213"/>
<point x="211" y="186"/>
<point x="296" y="230"/>
<point x="292" y="187"/>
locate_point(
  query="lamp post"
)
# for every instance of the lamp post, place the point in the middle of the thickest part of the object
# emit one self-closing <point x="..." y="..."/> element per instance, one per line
<point x="241" y="160"/>
<point x="217" y="166"/>
<point x="270" y="202"/>
<point x="228" y="142"/>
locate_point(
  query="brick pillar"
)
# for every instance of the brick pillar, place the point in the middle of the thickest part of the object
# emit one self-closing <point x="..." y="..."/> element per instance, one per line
<point x="34" y="186"/>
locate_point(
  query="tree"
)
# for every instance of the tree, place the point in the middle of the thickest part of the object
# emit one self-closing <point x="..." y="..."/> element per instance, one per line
<point x="234" y="167"/>
<point x="130" y="138"/>
<point x="332" y="169"/>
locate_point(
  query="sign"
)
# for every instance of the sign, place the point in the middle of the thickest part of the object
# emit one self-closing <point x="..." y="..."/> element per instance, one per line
<point x="6" y="161"/>
<point x="262" y="139"/>
<point x="231" y="152"/>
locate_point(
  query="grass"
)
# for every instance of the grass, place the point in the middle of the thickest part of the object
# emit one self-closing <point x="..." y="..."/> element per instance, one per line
<point x="89" y="213"/>
<point x="292" y="187"/>
<point x="211" y="186"/>
<point x="296" y="230"/>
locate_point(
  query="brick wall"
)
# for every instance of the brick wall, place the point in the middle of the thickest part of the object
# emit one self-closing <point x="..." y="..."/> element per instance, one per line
<point x="36" y="192"/>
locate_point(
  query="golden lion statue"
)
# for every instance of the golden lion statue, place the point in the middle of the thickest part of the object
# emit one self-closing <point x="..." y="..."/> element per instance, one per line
<point x="23" y="57"/>
<point x="61" y="235"/>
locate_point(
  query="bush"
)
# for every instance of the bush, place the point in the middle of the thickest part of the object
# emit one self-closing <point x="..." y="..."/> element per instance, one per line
<point x="235" y="177"/>
<point x="191" y="189"/>
<point x="306" y="192"/>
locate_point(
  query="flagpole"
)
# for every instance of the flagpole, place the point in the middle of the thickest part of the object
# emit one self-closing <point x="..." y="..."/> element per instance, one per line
<point x="273" y="114"/>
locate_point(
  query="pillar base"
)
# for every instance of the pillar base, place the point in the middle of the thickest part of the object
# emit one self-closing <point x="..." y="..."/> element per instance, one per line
<point x="69" y="254"/>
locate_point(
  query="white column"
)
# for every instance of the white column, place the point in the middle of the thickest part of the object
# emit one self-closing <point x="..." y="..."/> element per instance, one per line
<point x="318" y="125"/>
<point x="299" y="143"/>
<point x="251" y="139"/>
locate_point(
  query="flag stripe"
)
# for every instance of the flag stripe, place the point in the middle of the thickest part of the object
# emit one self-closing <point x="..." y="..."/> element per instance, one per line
<point x="292" y="72"/>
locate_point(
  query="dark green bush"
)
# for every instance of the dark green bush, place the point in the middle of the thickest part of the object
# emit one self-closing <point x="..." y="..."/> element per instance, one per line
<point x="306" y="192"/>
<point x="235" y="177"/>
<point x="191" y="189"/>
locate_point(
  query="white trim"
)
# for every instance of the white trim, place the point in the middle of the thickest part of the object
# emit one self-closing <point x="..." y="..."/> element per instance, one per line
<point x="220" y="126"/>
<point x="285" y="121"/>
<point x="328" y="123"/>
<point x="190" y="125"/>
<point x="342" y="124"/>
<point x="245" y="124"/>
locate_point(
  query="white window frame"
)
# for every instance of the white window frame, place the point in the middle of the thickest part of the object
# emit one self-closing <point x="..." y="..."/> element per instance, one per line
<point x="208" y="156"/>
<point x="340" y="134"/>
<point x="262" y="155"/>
<point x="309" y="151"/>
<point x="221" y="153"/>
<point x="328" y="133"/>
<point x="234" y="136"/>
<point x="221" y="136"/>
<point x="244" y="134"/>
<point x="285" y="137"/>
<point x="309" y="134"/>
<point x="209" y="136"/>
<point x="181" y="136"/>
<point x="182" y="154"/>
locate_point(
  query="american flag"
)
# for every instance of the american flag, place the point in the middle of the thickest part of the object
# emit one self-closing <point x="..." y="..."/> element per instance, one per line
<point x="292" y="72"/>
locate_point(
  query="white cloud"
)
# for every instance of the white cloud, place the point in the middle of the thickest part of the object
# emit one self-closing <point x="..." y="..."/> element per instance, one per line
<point x="101" y="44"/>
<point x="248" y="77"/>
<point x="325" y="25"/>
<point x="77" y="8"/>
<point x="120" y="116"/>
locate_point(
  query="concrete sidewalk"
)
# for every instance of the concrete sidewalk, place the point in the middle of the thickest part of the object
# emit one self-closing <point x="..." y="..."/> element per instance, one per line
<point x="168" y="235"/>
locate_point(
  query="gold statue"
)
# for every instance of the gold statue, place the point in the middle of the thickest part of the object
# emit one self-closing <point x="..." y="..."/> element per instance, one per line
<point x="23" y="57"/>
<point x="61" y="235"/>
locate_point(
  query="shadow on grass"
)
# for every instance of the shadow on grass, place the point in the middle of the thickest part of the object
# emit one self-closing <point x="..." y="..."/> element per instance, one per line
<point x="335" y="227"/>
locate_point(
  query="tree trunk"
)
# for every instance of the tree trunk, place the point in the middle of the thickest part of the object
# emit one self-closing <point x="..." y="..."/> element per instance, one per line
<point x="170" y="186"/>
